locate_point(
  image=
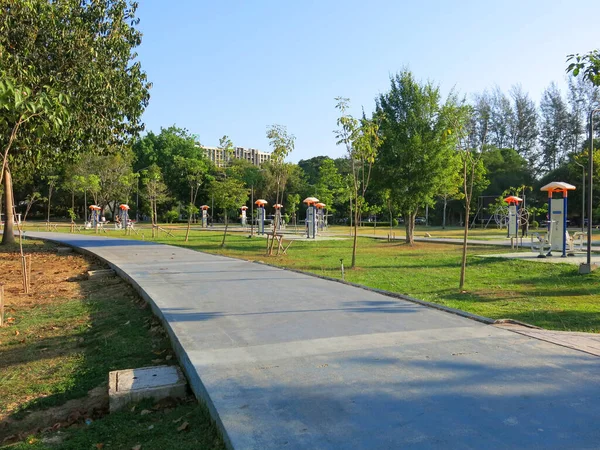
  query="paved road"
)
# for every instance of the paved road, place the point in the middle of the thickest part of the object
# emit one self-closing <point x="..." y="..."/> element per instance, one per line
<point x="289" y="361"/>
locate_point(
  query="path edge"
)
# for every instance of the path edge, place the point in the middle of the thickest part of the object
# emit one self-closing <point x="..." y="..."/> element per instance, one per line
<point x="196" y="384"/>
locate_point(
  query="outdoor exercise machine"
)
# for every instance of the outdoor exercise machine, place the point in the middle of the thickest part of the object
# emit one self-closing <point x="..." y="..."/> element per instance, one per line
<point x="204" y="209"/>
<point x="244" y="219"/>
<point x="311" y="217"/>
<point x="260" y="212"/>
<point x="94" y="221"/>
<point x="513" y="219"/>
<point x="557" y="216"/>
<point x="321" y="217"/>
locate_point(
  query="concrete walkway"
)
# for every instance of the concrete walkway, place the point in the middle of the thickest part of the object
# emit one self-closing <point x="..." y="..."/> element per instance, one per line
<point x="290" y="361"/>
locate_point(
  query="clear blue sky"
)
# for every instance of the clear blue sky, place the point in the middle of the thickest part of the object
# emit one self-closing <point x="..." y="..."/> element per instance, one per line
<point x="235" y="67"/>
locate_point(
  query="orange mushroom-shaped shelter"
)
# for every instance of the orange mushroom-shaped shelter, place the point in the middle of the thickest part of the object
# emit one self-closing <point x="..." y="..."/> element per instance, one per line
<point x="513" y="199"/>
<point x="124" y="207"/>
<point x="205" y="209"/>
<point x="261" y="215"/>
<point x="320" y="205"/>
<point x="277" y="206"/>
<point x="244" y="208"/>
<point x="310" y="200"/>
<point x="95" y="208"/>
<point x="557" y="215"/>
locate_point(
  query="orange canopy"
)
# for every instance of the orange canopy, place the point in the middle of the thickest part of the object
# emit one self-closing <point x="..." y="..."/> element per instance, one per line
<point x="513" y="199"/>
<point x="204" y="207"/>
<point x="244" y="208"/>
<point x="124" y="206"/>
<point x="277" y="206"/>
<point x="95" y="207"/>
<point x="558" y="186"/>
<point x="261" y="202"/>
<point x="320" y="205"/>
<point x="310" y="200"/>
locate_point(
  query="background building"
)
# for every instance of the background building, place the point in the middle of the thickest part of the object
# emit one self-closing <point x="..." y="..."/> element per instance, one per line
<point x="218" y="156"/>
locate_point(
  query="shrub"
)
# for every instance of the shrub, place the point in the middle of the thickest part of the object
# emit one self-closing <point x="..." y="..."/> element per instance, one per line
<point x="535" y="224"/>
<point x="394" y="222"/>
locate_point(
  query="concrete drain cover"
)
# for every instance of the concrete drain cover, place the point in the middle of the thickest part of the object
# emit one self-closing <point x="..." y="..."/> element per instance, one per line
<point x="132" y="385"/>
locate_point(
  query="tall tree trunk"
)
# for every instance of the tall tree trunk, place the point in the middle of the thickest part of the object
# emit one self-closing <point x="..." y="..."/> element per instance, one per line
<point x="355" y="242"/>
<point x="187" y="232"/>
<point x="49" y="202"/>
<point x="444" y="217"/>
<point x="409" y="225"/>
<point x="9" y="222"/>
<point x="225" y="232"/>
<point x="463" y="262"/>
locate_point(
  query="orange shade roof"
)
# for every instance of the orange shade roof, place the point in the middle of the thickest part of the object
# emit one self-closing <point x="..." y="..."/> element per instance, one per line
<point x="513" y="199"/>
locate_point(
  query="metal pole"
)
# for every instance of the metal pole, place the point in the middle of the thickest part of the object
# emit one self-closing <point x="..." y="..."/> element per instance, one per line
<point x="252" y="213"/>
<point x="587" y="268"/>
<point x="583" y="199"/>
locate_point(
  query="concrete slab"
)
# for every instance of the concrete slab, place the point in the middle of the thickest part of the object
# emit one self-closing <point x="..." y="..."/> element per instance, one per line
<point x="584" y="342"/>
<point x="286" y="360"/>
<point x="100" y="274"/>
<point x="133" y="385"/>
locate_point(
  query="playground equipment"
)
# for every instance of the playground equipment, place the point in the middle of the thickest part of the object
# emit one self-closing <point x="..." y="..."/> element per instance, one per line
<point x="122" y="217"/>
<point x="94" y="217"/>
<point x="513" y="218"/>
<point x="205" y="209"/>
<point x="260" y="211"/>
<point x="244" y="219"/>
<point x="321" y="217"/>
<point x="311" y="217"/>
<point x="278" y="220"/>
<point x="558" y="236"/>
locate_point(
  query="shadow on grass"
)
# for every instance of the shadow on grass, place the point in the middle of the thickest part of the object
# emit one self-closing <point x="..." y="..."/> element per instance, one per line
<point x="115" y="332"/>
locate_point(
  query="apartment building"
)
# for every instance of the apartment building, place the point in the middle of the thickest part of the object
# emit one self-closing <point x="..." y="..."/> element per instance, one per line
<point x="218" y="156"/>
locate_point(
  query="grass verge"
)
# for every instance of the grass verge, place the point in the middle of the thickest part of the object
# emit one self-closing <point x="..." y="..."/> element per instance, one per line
<point x="59" y="345"/>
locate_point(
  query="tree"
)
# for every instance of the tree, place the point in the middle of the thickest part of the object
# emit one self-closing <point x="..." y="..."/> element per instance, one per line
<point x="282" y="143"/>
<point x="414" y="158"/>
<point x="293" y="200"/>
<point x="524" y="131"/>
<point x="156" y="191"/>
<point x="450" y="186"/>
<point x="109" y="178"/>
<point x="329" y="184"/>
<point x="194" y="170"/>
<point x="459" y="117"/>
<point x="554" y="127"/>
<point x="227" y="149"/>
<point x="362" y="141"/>
<point x="69" y="80"/>
<point x="229" y="194"/>
<point x="501" y="119"/>
<point x="588" y="65"/>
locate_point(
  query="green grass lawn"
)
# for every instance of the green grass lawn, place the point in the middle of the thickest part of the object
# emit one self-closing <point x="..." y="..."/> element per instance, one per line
<point x="60" y="343"/>
<point x="552" y="296"/>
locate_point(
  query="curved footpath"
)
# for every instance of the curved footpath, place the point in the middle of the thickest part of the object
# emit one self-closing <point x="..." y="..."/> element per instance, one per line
<point x="286" y="360"/>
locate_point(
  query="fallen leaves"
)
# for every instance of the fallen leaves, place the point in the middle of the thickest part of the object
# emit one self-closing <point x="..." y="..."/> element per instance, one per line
<point x="183" y="426"/>
<point x="137" y="447"/>
<point x="144" y="412"/>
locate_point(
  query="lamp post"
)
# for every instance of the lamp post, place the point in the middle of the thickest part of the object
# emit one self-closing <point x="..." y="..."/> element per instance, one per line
<point x="587" y="267"/>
